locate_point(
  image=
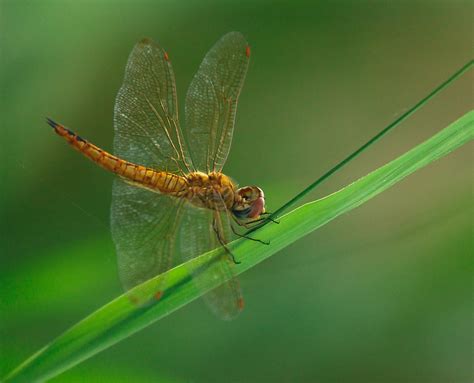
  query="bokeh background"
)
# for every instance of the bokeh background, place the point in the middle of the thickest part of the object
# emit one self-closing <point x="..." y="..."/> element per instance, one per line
<point x="381" y="294"/>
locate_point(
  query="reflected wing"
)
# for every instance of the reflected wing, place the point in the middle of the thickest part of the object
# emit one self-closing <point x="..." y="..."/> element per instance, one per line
<point x="144" y="226"/>
<point x="211" y="101"/>
<point x="197" y="237"/>
<point x="146" y="114"/>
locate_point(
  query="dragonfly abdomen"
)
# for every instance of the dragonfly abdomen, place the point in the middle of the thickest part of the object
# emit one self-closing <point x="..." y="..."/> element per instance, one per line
<point x="164" y="182"/>
<point x="159" y="181"/>
<point x="141" y="176"/>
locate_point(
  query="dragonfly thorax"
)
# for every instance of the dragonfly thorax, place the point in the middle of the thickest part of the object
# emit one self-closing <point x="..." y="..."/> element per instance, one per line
<point x="216" y="191"/>
<point x="213" y="191"/>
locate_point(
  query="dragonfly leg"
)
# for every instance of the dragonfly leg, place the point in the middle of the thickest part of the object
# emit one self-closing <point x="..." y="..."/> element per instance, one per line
<point x="215" y="227"/>
<point x="255" y="223"/>
<point x="247" y="225"/>
<point x="247" y="237"/>
<point x="269" y="218"/>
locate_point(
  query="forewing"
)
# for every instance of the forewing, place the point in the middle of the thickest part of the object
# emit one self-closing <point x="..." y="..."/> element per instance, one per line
<point x="197" y="237"/>
<point x="211" y="101"/>
<point x="144" y="227"/>
<point x="146" y="114"/>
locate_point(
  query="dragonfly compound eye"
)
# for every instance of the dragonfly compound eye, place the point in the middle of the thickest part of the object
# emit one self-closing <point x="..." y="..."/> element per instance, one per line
<point x="250" y="204"/>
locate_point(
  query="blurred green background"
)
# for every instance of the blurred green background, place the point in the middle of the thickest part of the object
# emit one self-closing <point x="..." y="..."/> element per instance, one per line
<point x="383" y="294"/>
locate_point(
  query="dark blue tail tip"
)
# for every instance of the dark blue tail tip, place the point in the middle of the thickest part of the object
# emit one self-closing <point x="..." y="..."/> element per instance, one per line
<point x="51" y="123"/>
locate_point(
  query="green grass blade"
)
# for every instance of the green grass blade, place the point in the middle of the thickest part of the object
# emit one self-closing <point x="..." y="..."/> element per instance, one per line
<point x="296" y="199"/>
<point x="120" y="318"/>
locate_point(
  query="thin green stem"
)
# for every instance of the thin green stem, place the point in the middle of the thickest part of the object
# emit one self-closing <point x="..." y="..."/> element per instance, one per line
<point x="292" y="202"/>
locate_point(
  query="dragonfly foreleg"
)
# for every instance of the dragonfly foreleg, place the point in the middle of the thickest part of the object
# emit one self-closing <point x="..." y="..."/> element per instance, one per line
<point x="244" y="235"/>
<point x="255" y="223"/>
<point x="248" y="237"/>
<point x="269" y="217"/>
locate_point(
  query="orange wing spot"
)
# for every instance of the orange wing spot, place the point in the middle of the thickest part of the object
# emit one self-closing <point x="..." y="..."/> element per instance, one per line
<point x="158" y="295"/>
<point x="167" y="58"/>
<point x="241" y="303"/>
<point x="247" y="51"/>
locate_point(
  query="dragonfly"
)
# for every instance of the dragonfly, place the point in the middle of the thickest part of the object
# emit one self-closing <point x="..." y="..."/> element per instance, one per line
<point x="170" y="195"/>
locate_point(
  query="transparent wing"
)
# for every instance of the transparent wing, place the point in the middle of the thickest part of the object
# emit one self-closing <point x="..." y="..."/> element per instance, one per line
<point x="146" y="114"/>
<point x="144" y="226"/>
<point x="211" y="102"/>
<point x="197" y="236"/>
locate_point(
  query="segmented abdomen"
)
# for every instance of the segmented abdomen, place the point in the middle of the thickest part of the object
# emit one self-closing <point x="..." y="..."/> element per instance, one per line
<point x="161" y="181"/>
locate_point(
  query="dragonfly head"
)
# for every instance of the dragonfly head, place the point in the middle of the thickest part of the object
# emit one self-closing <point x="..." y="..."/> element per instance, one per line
<point x="249" y="203"/>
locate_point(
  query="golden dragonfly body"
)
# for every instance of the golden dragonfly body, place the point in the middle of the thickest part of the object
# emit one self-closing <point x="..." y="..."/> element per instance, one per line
<point x="171" y="195"/>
